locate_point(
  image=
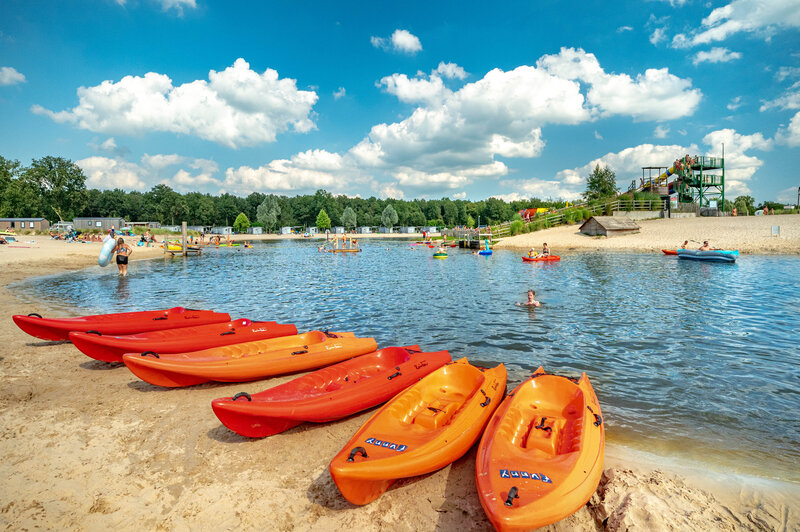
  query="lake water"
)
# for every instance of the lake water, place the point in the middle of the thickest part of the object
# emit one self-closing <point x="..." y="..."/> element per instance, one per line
<point x="689" y="359"/>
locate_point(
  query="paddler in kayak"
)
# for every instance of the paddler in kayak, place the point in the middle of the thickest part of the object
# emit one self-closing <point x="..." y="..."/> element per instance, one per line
<point x="545" y="250"/>
<point x="532" y="253"/>
<point x="531" y="302"/>
<point x="705" y="246"/>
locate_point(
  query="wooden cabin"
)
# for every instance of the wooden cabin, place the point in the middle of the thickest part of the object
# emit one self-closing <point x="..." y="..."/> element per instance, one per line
<point x="609" y="226"/>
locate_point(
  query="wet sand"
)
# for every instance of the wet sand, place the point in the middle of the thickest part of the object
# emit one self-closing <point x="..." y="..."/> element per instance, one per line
<point x="86" y="446"/>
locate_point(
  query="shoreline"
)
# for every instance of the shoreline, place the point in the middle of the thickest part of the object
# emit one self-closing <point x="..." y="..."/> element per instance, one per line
<point x="750" y="235"/>
<point x="93" y="447"/>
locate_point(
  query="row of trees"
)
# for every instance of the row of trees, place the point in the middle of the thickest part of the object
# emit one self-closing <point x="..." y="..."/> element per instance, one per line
<point x="55" y="188"/>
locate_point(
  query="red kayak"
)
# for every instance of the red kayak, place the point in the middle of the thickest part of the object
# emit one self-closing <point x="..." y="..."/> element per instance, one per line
<point x="548" y="258"/>
<point x="121" y="323"/>
<point x="111" y="348"/>
<point x="669" y="252"/>
<point x="329" y="393"/>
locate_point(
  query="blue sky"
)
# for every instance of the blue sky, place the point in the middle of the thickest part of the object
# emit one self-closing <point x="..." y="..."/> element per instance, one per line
<point x="404" y="100"/>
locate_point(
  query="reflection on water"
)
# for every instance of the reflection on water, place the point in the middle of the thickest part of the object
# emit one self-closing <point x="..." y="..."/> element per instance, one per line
<point x="690" y="358"/>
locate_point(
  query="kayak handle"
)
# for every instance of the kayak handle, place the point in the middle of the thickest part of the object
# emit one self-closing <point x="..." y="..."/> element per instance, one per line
<point x="512" y="494"/>
<point x="301" y="352"/>
<point x="227" y="332"/>
<point x="98" y="333"/>
<point x="393" y="375"/>
<point x="35" y="314"/>
<point x="597" y="419"/>
<point x="330" y="334"/>
<point x="160" y="318"/>
<point x="488" y="399"/>
<point x="412" y="351"/>
<point x="541" y="425"/>
<point x="242" y="394"/>
<point x="355" y="451"/>
<point x="153" y="353"/>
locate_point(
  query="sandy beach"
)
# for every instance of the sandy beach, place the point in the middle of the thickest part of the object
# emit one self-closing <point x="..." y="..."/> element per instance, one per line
<point x="87" y="446"/>
<point x="748" y="234"/>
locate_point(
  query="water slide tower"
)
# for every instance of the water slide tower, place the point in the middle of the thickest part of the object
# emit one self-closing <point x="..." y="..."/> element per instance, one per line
<point x="699" y="180"/>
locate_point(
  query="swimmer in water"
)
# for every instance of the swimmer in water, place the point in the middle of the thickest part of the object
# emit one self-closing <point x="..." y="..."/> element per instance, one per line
<point x="531" y="302"/>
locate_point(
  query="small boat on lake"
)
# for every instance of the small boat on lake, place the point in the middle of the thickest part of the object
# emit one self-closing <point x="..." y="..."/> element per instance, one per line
<point x="548" y="258"/>
<point x="715" y="255"/>
<point x="440" y="255"/>
<point x="669" y="252"/>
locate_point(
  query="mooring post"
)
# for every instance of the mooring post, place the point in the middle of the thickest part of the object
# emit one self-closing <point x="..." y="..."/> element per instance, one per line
<point x="183" y="231"/>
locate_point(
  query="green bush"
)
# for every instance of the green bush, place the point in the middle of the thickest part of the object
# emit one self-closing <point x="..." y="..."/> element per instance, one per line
<point x="570" y="216"/>
<point x="625" y="202"/>
<point x="516" y="227"/>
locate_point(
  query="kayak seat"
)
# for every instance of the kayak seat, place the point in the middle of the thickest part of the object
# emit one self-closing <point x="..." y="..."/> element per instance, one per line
<point x="436" y="414"/>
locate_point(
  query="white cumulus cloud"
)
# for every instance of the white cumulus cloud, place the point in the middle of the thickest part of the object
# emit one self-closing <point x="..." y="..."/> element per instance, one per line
<point x="716" y="55"/>
<point x="654" y="95"/>
<point x="763" y="18"/>
<point x="402" y="41"/>
<point x="108" y="173"/>
<point x="304" y="171"/>
<point x="235" y="107"/>
<point x="739" y="167"/>
<point x="10" y="76"/>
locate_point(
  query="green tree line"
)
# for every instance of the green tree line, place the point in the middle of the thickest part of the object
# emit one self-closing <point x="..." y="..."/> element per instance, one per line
<point x="55" y="188"/>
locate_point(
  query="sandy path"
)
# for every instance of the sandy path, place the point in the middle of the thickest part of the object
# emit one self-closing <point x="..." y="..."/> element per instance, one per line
<point x="87" y="446"/>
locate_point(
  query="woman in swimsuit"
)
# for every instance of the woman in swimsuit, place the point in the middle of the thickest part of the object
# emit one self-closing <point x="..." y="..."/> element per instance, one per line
<point x="123" y="251"/>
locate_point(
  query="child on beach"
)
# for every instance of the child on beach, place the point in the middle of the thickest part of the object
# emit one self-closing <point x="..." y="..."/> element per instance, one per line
<point x="531" y="302"/>
<point x="123" y="251"/>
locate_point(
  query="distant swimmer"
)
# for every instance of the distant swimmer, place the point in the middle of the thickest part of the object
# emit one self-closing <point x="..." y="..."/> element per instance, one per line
<point x="531" y="302"/>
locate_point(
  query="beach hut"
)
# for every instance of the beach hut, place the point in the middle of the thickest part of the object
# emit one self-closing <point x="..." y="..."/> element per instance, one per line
<point x="103" y="224"/>
<point x="339" y="230"/>
<point x="364" y="230"/>
<point x="255" y="230"/>
<point x="286" y="230"/>
<point x="146" y="225"/>
<point x="609" y="226"/>
<point x="385" y="230"/>
<point x="407" y="230"/>
<point x="222" y="230"/>
<point x="12" y="224"/>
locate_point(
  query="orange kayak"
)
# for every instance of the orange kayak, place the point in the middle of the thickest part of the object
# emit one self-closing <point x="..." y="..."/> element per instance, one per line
<point x="541" y="456"/>
<point x="249" y="360"/>
<point x="328" y="393"/>
<point x="669" y="252"/>
<point x="422" y="429"/>
<point x="119" y="323"/>
<point x="547" y="258"/>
